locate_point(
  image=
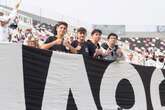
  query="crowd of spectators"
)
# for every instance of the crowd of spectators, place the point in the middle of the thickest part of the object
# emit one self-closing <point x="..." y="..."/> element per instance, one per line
<point x="146" y="51"/>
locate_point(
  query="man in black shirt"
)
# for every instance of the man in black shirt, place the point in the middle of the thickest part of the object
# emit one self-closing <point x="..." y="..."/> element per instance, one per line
<point x="110" y="48"/>
<point x="79" y="44"/>
<point x="93" y="48"/>
<point x="56" y="42"/>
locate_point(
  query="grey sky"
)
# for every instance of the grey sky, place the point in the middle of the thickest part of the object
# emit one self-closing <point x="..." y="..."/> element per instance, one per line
<point x="127" y="12"/>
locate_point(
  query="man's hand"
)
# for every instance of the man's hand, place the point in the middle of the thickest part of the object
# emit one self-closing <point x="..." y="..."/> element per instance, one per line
<point x="66" y="43"/>
<point x="57" y="42"/>
<point x="98" y="52"/>
<point x="78" y="48"/>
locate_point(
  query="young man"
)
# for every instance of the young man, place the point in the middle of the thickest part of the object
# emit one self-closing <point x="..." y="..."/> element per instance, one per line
<point x="79" y="43"/>
<point x="110" y="49"/>
<point x="56" y="43"/>
<point x="92" y="47"/>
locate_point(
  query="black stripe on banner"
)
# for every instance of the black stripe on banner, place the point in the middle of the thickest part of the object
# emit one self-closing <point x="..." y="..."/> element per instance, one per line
<point x="71" y="105"/>
<point x="146" y="74"/>
<point x="163" y="70"/>
<point x="35" y="67"/>
<point x="95" y="70"/>
<point x="162" y="90"/>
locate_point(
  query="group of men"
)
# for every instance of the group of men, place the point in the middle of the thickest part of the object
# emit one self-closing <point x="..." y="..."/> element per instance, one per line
<point x="108" y="50"/>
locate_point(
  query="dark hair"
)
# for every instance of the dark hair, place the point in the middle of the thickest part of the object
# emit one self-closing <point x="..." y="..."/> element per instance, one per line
<point x="112" y="34"/>
<point x="82" y="29"/>
<point x="58" y="24"/>
<point x="161" y="58"/>
<point x="96" y="31"/>
<point x="62" y="23"/>
<point x="54" y="29"/>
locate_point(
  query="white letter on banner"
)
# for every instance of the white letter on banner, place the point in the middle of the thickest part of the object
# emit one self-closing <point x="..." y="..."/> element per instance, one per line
<point x="12" y="95"/>
<point x="156" y="80"/>
<point x="67" y="71"/>
<point x="112" y="76"/>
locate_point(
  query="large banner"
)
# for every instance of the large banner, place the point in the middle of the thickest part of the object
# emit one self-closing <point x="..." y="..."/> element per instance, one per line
<point x="34" y="79"/>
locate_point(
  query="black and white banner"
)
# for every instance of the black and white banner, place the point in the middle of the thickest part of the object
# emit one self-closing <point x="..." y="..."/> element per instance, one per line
<point x="34" y="79"/>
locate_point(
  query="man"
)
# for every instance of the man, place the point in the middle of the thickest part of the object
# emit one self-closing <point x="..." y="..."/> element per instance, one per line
<point x="33" y="42"/>
<point x="5" y="21"/>
<point x="79" y="44"/>
<point x="130" y="58"/>
<point x="56" y="43"/>
<point x="110" y="49"/>
<point x="92" y="47"/>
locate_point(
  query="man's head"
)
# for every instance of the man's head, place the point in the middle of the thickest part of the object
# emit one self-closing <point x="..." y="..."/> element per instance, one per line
<point x="61" y="28"/>
<point x="112" y="38"/>
<point x="130" y="56"/>
<point x="96" y="35"/>
<point x="33" y="42"/>
<point x="81" y="34"/>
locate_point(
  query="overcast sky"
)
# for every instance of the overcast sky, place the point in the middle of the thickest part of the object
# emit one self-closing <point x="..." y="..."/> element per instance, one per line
<point x="127" y="12"/>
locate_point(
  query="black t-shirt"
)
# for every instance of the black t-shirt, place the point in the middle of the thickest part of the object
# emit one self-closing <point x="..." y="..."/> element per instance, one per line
<point x="56" y="47"/>
<point x="91" y="48"/>
<point x="105" y="46"/>
<point x="83" y="46"/>
<point x="114" y="49"/>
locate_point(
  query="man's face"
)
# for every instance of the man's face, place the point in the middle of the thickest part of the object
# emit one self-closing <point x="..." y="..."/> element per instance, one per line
<point x="130" y="56"/>
<point x="96" y="36"/>
<point x="61" y="30"/>
<point x="32" y="43"/>
<point x="81" y="37"/>
<point x="112" y="40"/>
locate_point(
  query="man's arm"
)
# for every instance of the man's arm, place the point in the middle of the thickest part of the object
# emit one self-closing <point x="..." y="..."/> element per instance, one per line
<point x="71" y="48"/>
